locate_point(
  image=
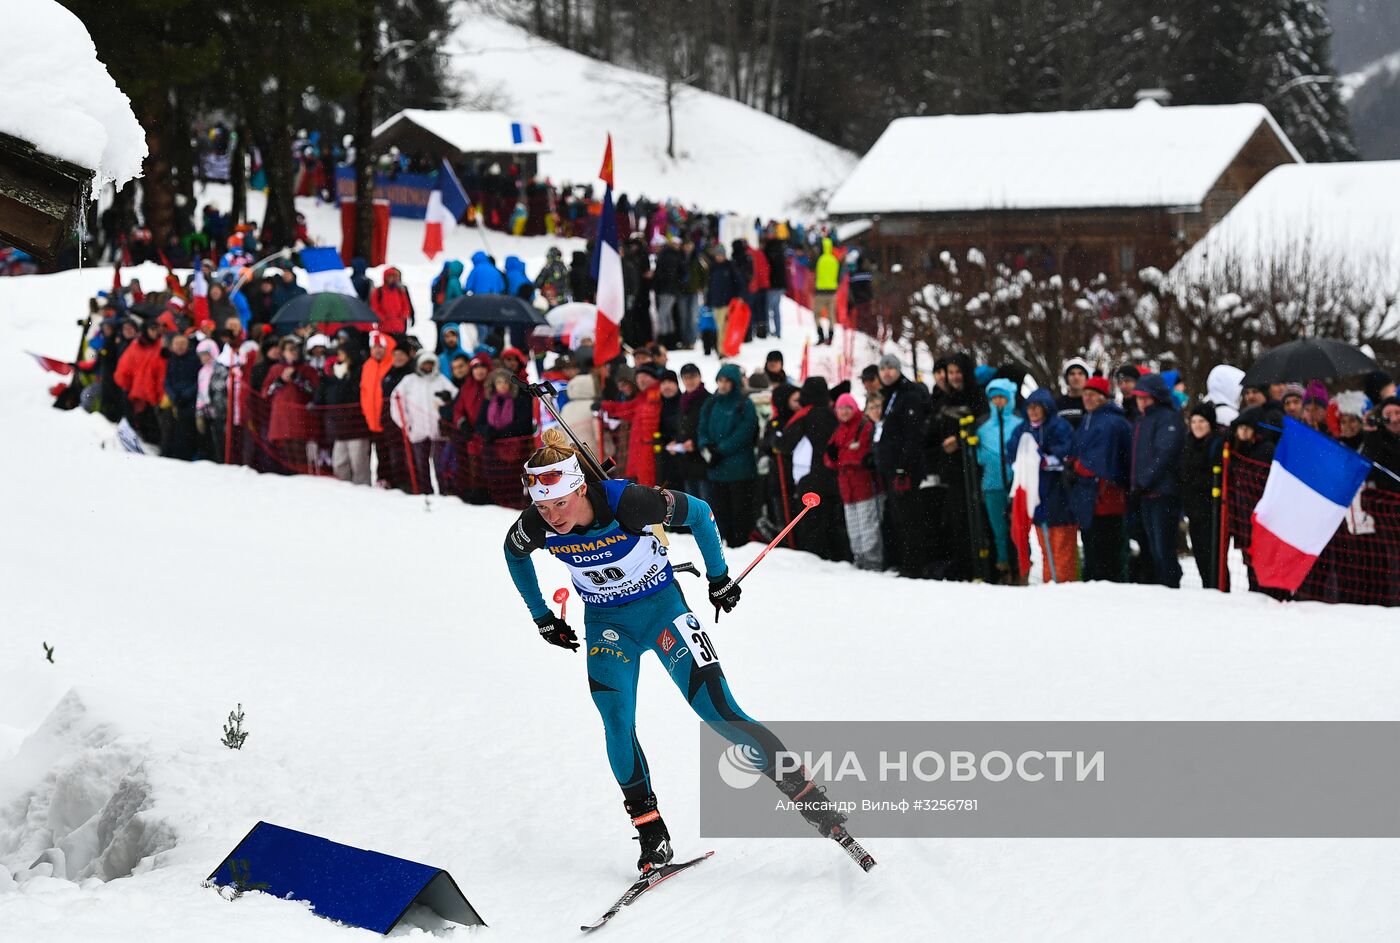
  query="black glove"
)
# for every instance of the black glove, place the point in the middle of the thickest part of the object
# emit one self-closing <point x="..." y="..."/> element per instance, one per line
<point x="445" y="396"/>
<point x="833" y="452"/>
<point x="715" y="458"/>
<point x="724" y="593"/>
<point x="556" y="631"/>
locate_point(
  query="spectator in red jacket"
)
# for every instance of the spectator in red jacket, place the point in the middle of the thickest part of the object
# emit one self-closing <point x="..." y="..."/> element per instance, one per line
<point x="759" y="283"/>
<point x="141" y="375"/>
<point x="467" y="407"/>
<point x="391" y="303"/>
<point x="850" y="452"/>
<point x="643" y="436"/>
<point x="292" y="429"/>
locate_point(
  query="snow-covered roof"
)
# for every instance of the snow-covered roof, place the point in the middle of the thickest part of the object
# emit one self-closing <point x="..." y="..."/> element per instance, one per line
<point x="473" y="132"/>
<point x="60" y="97"/>
<point x="1146" y="155"/>
<point x="1333" y="218"/>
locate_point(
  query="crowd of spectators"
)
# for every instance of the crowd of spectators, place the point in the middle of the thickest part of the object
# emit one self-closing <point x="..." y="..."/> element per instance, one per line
<point x="913" y="478"/>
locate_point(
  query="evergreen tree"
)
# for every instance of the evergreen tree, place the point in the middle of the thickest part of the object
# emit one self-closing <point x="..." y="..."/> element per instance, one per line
<point x="1293" y="76"/>
<point x="161" y="64"/>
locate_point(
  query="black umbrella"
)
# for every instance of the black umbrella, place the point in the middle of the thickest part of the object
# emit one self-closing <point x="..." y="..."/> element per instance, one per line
<point x="1309" y="359"/>
<point x="324" y="307"/>
<point x="501" y="310"/>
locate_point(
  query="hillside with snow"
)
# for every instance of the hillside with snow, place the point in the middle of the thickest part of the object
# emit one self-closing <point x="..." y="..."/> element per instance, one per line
<point x="729" y="157"/>
<point x="1372" y="94"/>
<point x="398" y="699"/>
<point x="1366" y="47"/>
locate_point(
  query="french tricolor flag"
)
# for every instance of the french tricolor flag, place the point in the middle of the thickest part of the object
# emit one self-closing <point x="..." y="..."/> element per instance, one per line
<point x="1025" y="497"/>
<point x="446" y="204"/>
<point x="606" y="269"/>
<point x="1310" y="485"/>
<point x="525" y="133"/>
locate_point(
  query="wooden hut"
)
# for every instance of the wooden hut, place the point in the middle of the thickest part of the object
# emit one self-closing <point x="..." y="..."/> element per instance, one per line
<point x="41" y="197"/>
<point x="1075" y="193"/>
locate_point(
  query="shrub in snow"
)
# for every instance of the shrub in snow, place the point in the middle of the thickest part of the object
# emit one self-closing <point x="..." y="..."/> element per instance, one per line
<point x="234" y="734"/>
<point x="1229" y="312"/>
<point x="242" y="881"/>
<point x="1242" y="301"/>
<point x="1002" y="315"/>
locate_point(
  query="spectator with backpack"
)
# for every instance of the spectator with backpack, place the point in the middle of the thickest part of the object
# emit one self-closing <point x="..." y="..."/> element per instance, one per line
<point x="391" y="304"/>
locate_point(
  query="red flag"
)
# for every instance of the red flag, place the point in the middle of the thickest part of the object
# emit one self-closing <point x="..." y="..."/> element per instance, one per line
<point x="806" y="365"/>
<point x="61" y="367"/>
<point x="606" y="173"/>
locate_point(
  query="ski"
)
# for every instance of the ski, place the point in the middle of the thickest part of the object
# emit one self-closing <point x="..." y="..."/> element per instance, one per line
<point x="645" y="883"/>
<point x="852" y="848"/>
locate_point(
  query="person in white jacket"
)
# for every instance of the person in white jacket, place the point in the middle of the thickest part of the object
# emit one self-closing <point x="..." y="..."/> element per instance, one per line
<point x="578" y="411"/>
<point x="415" y="406"/>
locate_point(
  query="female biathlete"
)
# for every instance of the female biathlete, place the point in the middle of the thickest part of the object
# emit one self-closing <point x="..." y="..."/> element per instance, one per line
<point x="600" y="530"/>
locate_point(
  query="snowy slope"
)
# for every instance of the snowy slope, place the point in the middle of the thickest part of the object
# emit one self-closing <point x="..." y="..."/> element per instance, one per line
<point x="398" y="699"/>
<point x="729" y="157"/>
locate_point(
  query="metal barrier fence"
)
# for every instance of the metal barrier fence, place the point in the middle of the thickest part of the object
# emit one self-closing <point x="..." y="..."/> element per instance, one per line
<point x="1360" y="564"/>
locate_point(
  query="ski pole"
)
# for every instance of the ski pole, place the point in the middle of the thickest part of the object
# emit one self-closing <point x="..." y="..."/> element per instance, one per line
<point x="809" y="500"/>
<point x="602" y="468"/>
<point x="561" y="596"/>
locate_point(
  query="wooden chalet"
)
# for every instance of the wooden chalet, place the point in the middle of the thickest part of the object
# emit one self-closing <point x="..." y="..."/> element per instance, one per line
<point x="41" y="197"/>
<point x="1075" y="193"/>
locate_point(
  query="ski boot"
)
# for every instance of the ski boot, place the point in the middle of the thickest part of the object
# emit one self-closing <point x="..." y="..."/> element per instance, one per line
<point x="821" y="813"/>
<point x="813" y="805"/>
<point x="651" y="832"/>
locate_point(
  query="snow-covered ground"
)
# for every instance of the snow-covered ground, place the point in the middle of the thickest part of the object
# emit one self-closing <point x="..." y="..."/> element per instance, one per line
<point x="729" y="157"/>
<point x="398" y="699"/>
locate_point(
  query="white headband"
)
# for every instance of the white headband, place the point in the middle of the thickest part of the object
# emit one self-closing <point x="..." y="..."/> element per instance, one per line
<point x="572" y="480"/>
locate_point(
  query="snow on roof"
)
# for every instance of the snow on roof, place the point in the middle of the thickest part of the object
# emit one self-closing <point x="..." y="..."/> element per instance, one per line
<point x="1331" y="218"/>
<point x="61" y="99"/>
<point x="1146" y="155"/>
<point x="473" y="132"/>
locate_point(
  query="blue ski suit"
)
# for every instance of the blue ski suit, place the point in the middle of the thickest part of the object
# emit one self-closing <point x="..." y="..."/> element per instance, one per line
<point x="632" y="605"/>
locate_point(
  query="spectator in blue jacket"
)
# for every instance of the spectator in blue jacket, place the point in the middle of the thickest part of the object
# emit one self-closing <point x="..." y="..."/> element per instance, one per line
<point x="177" y="414"/>
<point x="1098" y="493"/>
<point x="484" y="278"/>
<point x="446" y="286"/>
<point x="517" y="282"/>
<point x="450" y="338"/>
<point x="1054" y="519"/>
<point x="1158" y="438"/>
<point x="361" y="282"/>
<point x="724" y="285"/>
<point x="997" y="439"/>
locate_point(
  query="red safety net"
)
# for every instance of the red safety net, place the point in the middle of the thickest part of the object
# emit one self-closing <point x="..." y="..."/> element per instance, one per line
<point x="1361" y="563"/>
<point x="469" y="466"/>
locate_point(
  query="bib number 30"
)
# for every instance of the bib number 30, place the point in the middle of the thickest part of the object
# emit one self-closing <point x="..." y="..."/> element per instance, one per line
<point x="697" y="639"/>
